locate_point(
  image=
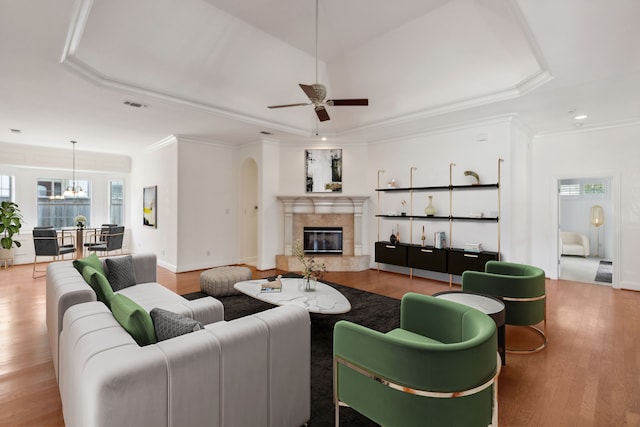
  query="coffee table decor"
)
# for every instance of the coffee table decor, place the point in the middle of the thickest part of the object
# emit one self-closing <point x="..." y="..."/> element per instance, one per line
<point x="312" y="271"/>
<point x="324" y="299"/>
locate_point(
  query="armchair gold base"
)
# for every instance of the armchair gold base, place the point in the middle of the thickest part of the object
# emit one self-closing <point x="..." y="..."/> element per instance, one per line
<point x="540" y="332"/>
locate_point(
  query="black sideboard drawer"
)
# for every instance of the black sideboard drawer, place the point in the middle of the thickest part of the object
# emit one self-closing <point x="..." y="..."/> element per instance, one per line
<point x="461" y="261"/>
<point x="388" y="253"/>
<point x="427" y="258"/>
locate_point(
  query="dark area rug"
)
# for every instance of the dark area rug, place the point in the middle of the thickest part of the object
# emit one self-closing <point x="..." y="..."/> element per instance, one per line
<point x="374" y="311"/>
<point x="605" y="272"/>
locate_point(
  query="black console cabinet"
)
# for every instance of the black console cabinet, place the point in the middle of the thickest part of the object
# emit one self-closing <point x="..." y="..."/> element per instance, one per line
<point x="427" y="258"/>
<point x="388" y="253"/>
<point x="460" y="261"/>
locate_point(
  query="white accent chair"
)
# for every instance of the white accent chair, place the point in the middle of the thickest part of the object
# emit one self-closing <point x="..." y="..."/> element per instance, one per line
<point x="572" y="243"/>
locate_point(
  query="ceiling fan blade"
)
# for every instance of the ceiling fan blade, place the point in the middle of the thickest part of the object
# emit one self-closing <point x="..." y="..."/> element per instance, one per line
<point x="308" y="90"/>
<point x="338" y="102"/>
<point x="322" y="113"/>
<point x="288" y="105"/>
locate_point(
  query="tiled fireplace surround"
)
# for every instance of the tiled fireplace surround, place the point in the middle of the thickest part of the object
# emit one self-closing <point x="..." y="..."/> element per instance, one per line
<point x="325" y="211"/>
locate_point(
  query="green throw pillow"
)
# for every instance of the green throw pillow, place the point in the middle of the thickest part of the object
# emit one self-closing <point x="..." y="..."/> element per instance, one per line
<point x="90" y="261"/>
<point x="134" y="319"/>
<point x="99" y="284"/>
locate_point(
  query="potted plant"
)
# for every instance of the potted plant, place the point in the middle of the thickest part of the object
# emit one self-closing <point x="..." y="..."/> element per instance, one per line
<point x="10" y="224"/>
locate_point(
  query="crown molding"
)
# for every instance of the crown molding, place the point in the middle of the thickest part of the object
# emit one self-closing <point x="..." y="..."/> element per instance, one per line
<point x="164" y="142"/>
<point x="635" y="121"/>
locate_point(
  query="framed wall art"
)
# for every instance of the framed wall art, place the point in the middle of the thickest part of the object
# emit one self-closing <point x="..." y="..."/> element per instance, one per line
<point x="149" y="206"/>
<point x="323" y="169"/>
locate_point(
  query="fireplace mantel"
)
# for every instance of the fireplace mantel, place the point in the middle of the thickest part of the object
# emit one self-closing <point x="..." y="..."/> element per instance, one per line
<point x="321" y="204"/>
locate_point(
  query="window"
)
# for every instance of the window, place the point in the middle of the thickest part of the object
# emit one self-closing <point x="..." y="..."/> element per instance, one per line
<point x="116" y="202"/>
<point x="54" y="209"/>
<point x="595" y="189"/>
<point x="6" y="188"/>
<point x="577" y="189"/>
<point x="569" y="190"/>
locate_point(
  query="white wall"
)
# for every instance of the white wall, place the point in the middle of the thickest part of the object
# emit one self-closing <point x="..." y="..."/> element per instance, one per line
<point x="157" y="166"/>
<point x="611" y="152"/>
<point x="208" y="216"/>
<point x="198" y="208"/>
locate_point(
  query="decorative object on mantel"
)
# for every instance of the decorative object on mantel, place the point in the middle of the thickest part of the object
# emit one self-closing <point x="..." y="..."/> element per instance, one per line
<point x="423" y="237"/>
<point x="392" y="238"/>
<point x="403" y="210"/>
<point x="392" y="183"/>
<point x="439" y="240"/>
<point x="398" y="234"/>
<point x="430" y="210"/>
<point x="312" y="271"/>
<point x="81" y="221"/>
<point x="473" y="174"/>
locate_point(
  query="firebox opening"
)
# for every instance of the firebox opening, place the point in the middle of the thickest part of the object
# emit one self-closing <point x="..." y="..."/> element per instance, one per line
<point x="322" y="240"/>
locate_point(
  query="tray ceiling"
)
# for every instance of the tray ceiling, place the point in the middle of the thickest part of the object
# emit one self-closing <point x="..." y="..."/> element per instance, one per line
<point x="209" y="68"/>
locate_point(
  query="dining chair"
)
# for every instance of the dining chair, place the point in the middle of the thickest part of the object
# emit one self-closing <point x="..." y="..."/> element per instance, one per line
<point x="46" y="242"/>
<point x="114" y="240"/>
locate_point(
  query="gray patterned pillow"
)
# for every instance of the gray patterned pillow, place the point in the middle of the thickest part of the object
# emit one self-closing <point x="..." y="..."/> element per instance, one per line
<point x="120" y="272"/>
<point x="169" y="325"/>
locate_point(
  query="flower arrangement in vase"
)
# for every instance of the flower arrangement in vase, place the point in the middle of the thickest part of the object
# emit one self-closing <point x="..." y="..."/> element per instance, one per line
<point x="81" y="221"/>
<point x="312" y="271"/>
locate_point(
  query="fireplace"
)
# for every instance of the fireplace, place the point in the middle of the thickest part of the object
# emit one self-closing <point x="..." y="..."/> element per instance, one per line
<point x="322" y="240"/>
<point x="325" y="212"/>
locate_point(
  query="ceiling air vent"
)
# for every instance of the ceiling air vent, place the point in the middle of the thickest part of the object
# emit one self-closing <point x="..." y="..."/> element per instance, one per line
<point x="134" y="104"/>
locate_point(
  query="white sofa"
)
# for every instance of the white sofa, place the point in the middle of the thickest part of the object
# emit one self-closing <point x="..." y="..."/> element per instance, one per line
<point x="252" y="371"/>
<point x="66" y="288"/>
<point x="572" y="243"/>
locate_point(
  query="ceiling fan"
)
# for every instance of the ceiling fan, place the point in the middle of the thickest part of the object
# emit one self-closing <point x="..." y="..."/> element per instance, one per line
<point x="317" y="92"/>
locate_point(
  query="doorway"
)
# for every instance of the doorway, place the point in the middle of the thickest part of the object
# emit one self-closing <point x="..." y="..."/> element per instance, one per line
<point x="585" y="213"/>
<point x="249" y="209"/>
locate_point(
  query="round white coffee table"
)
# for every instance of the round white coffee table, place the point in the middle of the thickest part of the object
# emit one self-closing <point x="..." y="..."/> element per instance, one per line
<point x="324" y="299"/>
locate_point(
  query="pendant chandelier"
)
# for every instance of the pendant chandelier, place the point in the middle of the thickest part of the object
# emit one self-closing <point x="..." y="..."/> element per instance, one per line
<point x="74" y="190"/>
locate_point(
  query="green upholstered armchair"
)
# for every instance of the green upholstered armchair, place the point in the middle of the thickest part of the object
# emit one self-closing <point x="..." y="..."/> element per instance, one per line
<point x="521" y="288"/>
<point x="439" y="368"/>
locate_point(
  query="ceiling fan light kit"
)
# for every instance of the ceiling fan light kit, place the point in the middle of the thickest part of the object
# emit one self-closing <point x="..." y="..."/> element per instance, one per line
<point x="318" y="92"/>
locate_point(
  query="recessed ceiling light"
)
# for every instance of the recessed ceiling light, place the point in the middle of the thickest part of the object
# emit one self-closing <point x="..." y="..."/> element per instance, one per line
<point x="324" y="138"/>
<point x="581" y="117"/>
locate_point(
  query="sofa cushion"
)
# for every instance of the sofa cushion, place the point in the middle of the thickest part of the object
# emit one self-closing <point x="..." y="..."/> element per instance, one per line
<point x="134" y="319"/>
<point x="120" y="272"/>
<point x="169" y="325"/>
<point x="90" y="261"/>
<point x="99" y="284"/>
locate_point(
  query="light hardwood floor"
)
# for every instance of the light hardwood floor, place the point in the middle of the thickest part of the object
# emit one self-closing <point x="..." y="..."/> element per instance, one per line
<point x="589" y="374"/>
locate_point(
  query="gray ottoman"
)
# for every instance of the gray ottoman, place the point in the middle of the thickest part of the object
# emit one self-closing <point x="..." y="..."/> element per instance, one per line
<point x="218" y="282"/>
